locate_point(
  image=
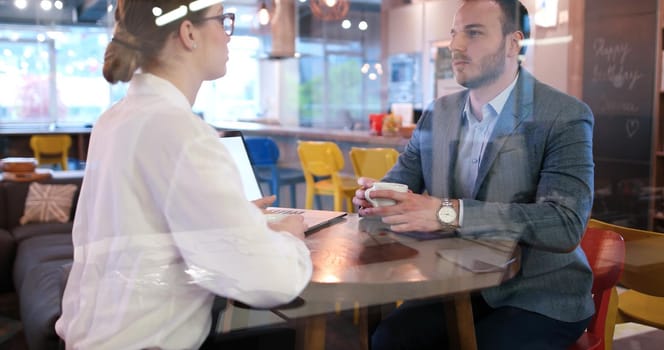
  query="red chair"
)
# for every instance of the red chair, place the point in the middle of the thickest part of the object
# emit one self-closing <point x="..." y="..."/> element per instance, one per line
<point x="605" y="251"/>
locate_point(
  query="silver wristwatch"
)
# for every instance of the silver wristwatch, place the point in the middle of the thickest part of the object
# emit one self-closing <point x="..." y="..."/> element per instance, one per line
<point x="447" y="214"/>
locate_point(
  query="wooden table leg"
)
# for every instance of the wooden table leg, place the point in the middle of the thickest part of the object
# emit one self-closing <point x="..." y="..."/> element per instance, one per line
<point x="369" y="319"/>
<point x="460" y="325"/>
<point x="81" y="148"/>
<point x="310" y="333"/>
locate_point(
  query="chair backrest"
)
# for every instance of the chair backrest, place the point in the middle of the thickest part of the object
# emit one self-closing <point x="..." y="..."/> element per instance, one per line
<point x="262" y="150"/>
<point x="320" y="158"/>
<point x="373" y="162"/>
<point x="644" y="261"/>
<point x="605" y="251"/>
<point x="49" y="149"/>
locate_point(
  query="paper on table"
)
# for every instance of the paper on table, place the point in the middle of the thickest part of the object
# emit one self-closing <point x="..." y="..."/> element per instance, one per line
<point x="477" y="258"/>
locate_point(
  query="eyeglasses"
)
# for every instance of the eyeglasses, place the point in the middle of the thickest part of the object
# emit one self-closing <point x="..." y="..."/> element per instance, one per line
<point x="227" y="21"/>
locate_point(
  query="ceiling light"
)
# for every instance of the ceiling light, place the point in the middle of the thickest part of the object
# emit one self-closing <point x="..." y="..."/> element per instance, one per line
<point x="362" y="25"/>
<point x="263" y="15"/>
<point x="372" y="71"/>
<point x="58" y="4"/>
<point x="329" y="10"/>
<point x="21" y="4"/>
<point x="46" y="5"/>
<point x="379" y="68"/>
<point x="345" y="24"/>
<point x="546" y="13"/>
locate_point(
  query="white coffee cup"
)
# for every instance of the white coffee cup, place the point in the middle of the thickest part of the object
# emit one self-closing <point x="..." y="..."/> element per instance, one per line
<point x="384" y="202"/>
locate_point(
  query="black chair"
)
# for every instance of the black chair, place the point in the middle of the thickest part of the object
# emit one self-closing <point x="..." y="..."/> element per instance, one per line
<point x="264" y="155"/>
<point x="268" y="337"/>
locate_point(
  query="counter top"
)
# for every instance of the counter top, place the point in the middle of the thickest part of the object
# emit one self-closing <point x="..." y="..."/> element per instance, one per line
<point x="248" y="128"/>
<point x="306" y="133"/>
<point x="8" y="130"/>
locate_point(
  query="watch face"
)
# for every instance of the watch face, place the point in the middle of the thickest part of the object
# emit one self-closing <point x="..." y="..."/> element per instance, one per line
<point x="447" y="215"/>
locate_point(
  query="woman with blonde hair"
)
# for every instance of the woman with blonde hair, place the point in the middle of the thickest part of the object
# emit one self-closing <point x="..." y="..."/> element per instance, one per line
<point x="162" y="224"/>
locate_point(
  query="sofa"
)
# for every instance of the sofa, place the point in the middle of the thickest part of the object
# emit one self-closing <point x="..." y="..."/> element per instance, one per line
<point x="34" y="261"/>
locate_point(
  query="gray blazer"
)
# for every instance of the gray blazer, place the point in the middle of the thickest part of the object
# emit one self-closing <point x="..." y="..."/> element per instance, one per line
<point x="535" y="183"/>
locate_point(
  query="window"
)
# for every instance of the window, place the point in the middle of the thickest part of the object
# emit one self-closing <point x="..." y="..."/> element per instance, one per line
<point x="235" y="95"/>
<point x="52" y="76"/>
<point x="340" y="70"/>
<point x="55" y="77"/>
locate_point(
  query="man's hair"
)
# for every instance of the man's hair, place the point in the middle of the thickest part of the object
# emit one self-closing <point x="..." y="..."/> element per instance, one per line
<point x="515" y="18"/>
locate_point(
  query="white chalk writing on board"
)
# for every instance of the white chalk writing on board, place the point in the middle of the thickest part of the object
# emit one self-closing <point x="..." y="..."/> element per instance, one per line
<point x="608" y="105"/>
<point x="610" y="65"/>
<point x="632" y="126"/>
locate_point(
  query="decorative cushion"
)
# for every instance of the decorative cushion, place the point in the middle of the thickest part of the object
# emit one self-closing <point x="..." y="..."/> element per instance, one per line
<point x="48" y="203"/>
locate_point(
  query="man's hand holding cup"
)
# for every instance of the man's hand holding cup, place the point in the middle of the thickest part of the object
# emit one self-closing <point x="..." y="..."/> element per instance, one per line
<point x="375" y="194"/>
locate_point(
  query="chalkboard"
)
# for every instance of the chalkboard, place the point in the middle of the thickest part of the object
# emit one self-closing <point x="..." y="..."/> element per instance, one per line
<point x="619" y="68"/>
<point x="620" y="60"/>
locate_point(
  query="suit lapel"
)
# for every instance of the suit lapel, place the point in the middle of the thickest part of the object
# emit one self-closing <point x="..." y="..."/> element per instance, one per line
<point x="446" y="146"/>
<point x="518" y="106"/>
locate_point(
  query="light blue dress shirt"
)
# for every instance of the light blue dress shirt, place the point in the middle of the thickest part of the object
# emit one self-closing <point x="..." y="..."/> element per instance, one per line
<point x="474" y="136"/>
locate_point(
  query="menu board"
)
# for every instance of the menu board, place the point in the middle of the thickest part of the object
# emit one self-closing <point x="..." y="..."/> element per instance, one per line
<point x="619" y="75"/>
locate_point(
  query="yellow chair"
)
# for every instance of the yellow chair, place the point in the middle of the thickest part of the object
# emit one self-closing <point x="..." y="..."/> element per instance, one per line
<point x="51" y="149"/>
<point x="644" y="265"/>
<point x="373" y="162"/>
<point x="321" y="163"/>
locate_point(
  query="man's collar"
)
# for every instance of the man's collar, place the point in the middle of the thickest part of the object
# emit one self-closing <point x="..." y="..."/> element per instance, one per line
<point x="498" y="102"/>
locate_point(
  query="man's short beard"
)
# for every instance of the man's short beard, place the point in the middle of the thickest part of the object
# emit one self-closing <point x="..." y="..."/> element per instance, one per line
<point x="491" y="68"/>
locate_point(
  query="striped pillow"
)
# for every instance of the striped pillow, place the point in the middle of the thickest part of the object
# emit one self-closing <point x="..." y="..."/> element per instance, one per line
<point x="48" y="203"/>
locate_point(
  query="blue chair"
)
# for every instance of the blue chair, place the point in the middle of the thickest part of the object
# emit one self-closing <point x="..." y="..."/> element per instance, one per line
<point x="264" y="155"/>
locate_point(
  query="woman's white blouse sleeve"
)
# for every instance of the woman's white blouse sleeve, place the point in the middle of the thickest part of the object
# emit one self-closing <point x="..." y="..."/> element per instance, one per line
<point x="224" y="238"/>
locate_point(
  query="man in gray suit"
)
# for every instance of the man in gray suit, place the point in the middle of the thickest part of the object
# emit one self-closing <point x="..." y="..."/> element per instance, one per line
<point x="507" y="156"/>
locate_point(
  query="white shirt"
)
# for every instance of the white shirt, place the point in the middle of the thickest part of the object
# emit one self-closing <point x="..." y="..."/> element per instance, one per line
<point x="162" y="225"/>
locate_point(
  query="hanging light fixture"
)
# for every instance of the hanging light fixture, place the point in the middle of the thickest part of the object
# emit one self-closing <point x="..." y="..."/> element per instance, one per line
<point x="46" y="5"/>
<point x="263" y="15"/>
<point x="372" y="71"/>
<point x="329" y="10"/>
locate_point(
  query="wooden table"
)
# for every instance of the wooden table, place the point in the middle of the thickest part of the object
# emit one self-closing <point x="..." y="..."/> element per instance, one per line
<point x="358" y="264"/>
